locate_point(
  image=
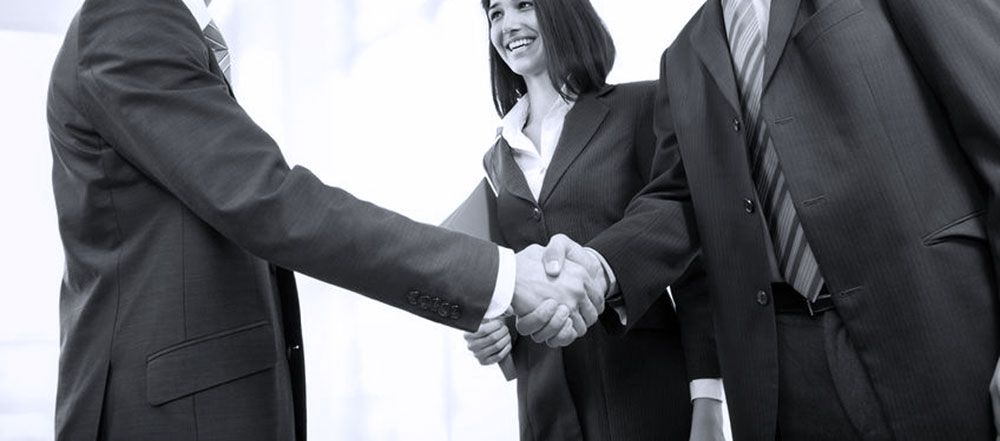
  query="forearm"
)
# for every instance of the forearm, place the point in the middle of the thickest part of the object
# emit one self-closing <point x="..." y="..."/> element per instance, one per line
<point x="157" y="104"/>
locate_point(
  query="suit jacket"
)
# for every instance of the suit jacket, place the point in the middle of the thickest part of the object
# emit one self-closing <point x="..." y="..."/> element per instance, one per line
<point x="177" y="215"/>
<point x="885" y="115"/>
<point x="603" y="386"/>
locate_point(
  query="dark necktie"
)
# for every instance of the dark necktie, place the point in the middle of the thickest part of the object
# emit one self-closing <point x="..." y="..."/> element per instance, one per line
<point x="795" y="258"/>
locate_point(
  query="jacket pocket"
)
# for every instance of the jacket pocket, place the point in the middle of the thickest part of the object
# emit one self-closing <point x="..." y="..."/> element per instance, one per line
<point x="971" y="226"/>
<point x="203" y="363"/>
<point x="824" y="20"/>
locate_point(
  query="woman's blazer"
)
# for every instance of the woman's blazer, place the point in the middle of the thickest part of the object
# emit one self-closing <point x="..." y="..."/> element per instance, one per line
<point x="604" y="386"/>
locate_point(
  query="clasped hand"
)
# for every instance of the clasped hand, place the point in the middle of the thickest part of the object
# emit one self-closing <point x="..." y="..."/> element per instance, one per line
<point x="558" y="293"/>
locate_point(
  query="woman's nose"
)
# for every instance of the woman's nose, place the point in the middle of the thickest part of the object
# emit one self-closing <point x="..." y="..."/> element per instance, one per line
<point x="510" y="22"/>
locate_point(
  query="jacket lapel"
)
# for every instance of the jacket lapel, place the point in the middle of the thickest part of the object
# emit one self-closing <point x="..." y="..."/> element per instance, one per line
<point x="708" y="37"/>
<point x="581" y="123"/>
<point x="782" y="17"/>
<point x="505" y="173"/>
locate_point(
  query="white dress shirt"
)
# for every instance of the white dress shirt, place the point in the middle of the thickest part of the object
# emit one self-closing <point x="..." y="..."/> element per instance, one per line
<point x="503" y="290"/>
<point x="531" y="159"/>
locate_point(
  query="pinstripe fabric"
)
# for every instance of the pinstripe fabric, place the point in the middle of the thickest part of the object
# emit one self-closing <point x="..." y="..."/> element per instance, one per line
<point x="629" y="387"/>
<point x="218" y="45"/>
<point x="795" y="258"/>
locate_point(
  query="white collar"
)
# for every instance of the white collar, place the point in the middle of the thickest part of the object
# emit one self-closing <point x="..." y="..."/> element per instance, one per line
<point x="512" y="124"/>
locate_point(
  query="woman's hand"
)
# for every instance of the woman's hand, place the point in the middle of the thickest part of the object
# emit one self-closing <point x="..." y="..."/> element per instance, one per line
<point x="491" y="343"/>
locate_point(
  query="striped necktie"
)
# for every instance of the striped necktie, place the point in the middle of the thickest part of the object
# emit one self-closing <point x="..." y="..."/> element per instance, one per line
<point x="218" y="45"/>
<point x="795" y="258"/>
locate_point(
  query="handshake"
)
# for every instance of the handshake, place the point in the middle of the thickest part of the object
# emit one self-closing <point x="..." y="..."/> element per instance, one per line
<point x="559" y="292"/>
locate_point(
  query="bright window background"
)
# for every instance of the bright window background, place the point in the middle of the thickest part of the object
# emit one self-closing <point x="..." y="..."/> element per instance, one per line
<point x="388" y="99"/>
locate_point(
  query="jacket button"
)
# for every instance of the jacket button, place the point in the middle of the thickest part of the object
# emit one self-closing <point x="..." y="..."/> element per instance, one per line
<point x="425" y="302"/>
<point x="762" y="298"/>
<point x="444" y="309"/>
<point x="737" y="125"/>
<point x="748" y="205"/>
<point x="291" y="349"/>
<point x="536" y="214"/>
<point x="456" y="312"/>
<point x="413" y="297"/>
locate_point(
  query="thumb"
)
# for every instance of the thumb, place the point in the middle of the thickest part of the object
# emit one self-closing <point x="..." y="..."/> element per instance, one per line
<point x="555" y="253"/>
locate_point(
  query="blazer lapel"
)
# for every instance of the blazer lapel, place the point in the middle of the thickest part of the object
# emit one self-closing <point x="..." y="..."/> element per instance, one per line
<point x="708" y="37"/>
<point x="505" y="173"/>
<point x="782" y="18"/>
<point x="581" y="123"/>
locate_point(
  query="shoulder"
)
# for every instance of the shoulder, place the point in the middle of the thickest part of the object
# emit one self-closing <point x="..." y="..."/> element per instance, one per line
<point x="634" y="97"/>
<point x="633" y="90"/>
<point x="131" y="25"/>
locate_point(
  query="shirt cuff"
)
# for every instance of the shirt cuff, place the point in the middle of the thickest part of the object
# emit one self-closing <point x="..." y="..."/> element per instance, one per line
<point x="706" y="388"/>
<point x="503" y="292"/>
<point x="613" y="295"/>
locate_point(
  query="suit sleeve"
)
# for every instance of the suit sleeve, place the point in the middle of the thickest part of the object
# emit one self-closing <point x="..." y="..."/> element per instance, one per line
<point x="655" y="242"/>
<point x="955" y="47"/>
<point x="694" y="313"/>
<point x="146" y="80"/>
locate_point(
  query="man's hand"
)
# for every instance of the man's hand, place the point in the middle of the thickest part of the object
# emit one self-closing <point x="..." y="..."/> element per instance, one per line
<point x="562" y="249"/>
<point x="995" y="398"/>
<point x="560" y="322"/>
<point x="491" y="343"/>
<point x="706" y="420"/>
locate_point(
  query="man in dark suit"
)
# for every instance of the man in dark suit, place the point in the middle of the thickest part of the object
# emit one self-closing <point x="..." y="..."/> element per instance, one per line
<point x="179" y="216"/>
<point x="840" y="160"/>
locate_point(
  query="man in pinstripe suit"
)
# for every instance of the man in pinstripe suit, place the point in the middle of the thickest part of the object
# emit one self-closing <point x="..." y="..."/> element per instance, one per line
<point x="840" y="161"/>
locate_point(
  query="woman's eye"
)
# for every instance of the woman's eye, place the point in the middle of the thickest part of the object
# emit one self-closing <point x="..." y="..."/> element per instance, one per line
<point x="494" y="15"/>
<point x="526" y="5"/>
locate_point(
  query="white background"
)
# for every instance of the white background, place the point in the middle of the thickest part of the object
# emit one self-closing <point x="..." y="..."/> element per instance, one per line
<point x="388" y="99"/>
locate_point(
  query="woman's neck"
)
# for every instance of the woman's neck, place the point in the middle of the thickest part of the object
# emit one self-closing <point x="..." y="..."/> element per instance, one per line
<point x="541" y="95"/>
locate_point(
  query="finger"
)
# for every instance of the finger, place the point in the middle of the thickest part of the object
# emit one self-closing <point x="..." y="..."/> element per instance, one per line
<point x="565" y="336"/>
<point x="489" y="340"/>
<point x="489" y="351"/>
<point x="596" y="292"/>
<point x="588" y="311"/>
<point x="499" y="355"/>
<point x="487" y="327"/>
<point x="537" y="319"/>
<point x="579" y="325"/>
<point x="552" y="328"/>
<point x="554" y="256"/>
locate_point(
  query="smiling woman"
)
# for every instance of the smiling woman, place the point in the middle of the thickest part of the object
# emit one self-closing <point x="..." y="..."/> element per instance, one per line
<point x="520" y="50"/>
<point x="572" y="152"/>
<point x="341" y="87"/>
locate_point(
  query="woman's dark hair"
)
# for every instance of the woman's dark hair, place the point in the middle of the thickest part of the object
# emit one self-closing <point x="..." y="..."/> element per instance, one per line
<point x="579" y="48"/>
